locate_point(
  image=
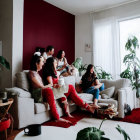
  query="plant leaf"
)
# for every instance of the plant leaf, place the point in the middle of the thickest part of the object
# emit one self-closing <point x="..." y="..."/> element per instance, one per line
<point x="4" y="62"/>
<point x="126" y="136"/>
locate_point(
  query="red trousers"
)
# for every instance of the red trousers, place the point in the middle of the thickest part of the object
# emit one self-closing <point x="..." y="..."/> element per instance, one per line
<point x="48" y="96"/>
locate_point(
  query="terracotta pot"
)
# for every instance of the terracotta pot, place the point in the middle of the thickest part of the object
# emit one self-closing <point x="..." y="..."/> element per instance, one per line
<point x="5" y="124"/>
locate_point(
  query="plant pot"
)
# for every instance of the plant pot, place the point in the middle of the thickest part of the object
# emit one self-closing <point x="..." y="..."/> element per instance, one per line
<point x="5" y="124"/>
<point x="138" y="93"/>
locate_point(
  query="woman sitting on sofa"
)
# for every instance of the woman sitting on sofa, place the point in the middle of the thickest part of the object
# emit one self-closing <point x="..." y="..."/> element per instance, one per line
<point x="90" y="84"/>
<point x="50" y="77"/>
<point x="36" y="82"/>
<point x="62" y="65"/>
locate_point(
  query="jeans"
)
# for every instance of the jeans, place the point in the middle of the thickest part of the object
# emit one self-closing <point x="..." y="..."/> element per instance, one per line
<point x="95" y="92"/>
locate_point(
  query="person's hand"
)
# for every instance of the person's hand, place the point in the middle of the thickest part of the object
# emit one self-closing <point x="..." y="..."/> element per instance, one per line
<point x="57" y="86"/>
<point x="48" y="86"/>
<point x="64" y="65"/>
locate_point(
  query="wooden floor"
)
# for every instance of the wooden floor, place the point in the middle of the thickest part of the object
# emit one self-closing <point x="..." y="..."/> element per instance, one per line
<point x="10" y="136"/>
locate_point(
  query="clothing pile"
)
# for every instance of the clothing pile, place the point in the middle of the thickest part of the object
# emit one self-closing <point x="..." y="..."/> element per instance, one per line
<point x="107" y="111"/>
<point x="111" y="111"/>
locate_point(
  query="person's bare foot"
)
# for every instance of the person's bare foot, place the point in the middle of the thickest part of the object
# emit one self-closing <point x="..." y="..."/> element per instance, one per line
<point x="96" y="106"/>
<point x="69" y="115"/>
<point x="91" y="109"/>
<point x="63" y="120"/>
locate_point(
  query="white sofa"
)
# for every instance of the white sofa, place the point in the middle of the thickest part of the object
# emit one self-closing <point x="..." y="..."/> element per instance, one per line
<point x="25" y="111"/>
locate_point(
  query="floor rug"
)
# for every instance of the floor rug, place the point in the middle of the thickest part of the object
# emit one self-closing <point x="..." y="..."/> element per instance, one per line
<point x="134" y="117"/>
<point x="77" y="117"/>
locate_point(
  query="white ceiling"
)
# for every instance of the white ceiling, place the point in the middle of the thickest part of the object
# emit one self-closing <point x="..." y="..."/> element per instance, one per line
<point x="78" y="7"/>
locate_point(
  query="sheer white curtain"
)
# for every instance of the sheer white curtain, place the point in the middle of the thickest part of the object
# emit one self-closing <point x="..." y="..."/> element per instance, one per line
<point x="105" y="45"/>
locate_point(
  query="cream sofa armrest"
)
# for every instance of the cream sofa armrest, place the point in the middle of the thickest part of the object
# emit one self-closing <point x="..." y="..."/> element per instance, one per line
<point x="125" y="96"/>
<point x="22" y="111"/>
<point x="15" y="91"/>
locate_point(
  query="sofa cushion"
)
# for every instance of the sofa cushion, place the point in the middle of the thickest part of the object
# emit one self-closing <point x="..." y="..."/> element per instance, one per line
<point x="107" y="93"/>
<point x="109" y="101"/>
<point x="18" y="91"/>
<point x="69" y="80"/>
<point x="104" y="96"/>
<point x="22" y="80"/>
<point x="40" y="107"/>
<point x="88" y="98"/>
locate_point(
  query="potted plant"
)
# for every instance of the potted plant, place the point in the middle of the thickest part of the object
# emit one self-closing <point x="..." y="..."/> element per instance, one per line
<point x="102" y="74"/>
<point x="132" y="62"/>
<point x="4" y="62"/>
<point x="78" y="64"/>
<point x="93" y="133"/>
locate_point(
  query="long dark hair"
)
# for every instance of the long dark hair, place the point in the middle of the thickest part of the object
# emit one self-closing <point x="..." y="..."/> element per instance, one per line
<point x="49" y="69"/>
<point x="35" y="59"/>
<point x="88" y="74"/>
<point x="49" y="48"/>
<point x="59" y="54"/>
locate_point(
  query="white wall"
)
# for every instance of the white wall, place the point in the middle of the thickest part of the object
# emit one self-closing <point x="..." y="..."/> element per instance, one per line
<point x="11" y="35"/>
<point x="6" y="19"/>
<point x="83" y="26"/>
<point x="83" y="36"/>
<point x="17" y="52"/>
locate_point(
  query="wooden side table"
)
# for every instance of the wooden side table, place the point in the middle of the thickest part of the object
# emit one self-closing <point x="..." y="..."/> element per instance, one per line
<point x="5" y="123"/>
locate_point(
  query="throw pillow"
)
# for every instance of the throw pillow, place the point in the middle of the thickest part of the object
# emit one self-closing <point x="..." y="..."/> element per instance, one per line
<point x="37" y="95"/>
<point x="22" y="80"/>
<point x="104" y="96"/>
<point x="109" y="92"/>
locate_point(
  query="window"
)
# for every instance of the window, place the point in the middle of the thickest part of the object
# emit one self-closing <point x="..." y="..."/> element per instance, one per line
<point x="128" y="28"/>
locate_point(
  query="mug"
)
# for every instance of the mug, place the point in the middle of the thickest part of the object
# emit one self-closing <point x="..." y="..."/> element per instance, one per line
<point x="61" y="81"/>
<point x="33" y="130"/>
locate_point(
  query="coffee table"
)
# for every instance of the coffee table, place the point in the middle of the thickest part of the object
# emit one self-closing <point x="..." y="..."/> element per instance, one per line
<point x="49" y="133"/>
<point x="58" y="133"/>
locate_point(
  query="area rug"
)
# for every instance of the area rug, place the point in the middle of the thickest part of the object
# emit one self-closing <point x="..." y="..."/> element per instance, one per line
<point x="134" y="117"/>
<point x="77" y="117"/>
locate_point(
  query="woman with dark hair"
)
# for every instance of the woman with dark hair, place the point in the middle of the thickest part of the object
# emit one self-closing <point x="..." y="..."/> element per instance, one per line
<point x="62" y="64"/>
<point x="50" y="77"/>
<point x="37" y="51"/>
<point x="43" y="53"/>
<point x="90" y="84"/>
<point x="39" y="88"/>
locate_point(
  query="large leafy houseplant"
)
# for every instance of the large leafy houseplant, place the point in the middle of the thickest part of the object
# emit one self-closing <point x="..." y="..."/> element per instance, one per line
<point x="4" y="63"/>
<point x="79" y="65"/>
<point x="102" y="74"/>
<point x="93" y="133"/>
<point x="132" y="62"/>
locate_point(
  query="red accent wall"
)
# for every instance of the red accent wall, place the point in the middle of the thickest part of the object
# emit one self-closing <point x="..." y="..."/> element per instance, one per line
<point x="45" y="24"/>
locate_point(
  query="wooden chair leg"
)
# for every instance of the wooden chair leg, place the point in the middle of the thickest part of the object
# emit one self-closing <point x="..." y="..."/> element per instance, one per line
<point x="5" y="131"/>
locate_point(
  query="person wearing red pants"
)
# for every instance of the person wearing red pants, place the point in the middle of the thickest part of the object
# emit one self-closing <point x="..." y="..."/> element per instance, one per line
<point x="36" y="82"/>
<point x="50" y="77"/>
